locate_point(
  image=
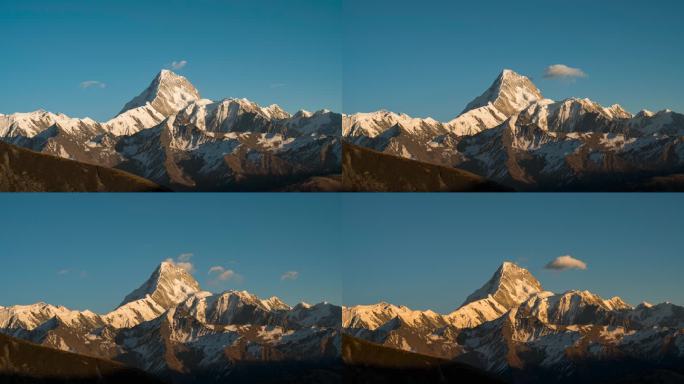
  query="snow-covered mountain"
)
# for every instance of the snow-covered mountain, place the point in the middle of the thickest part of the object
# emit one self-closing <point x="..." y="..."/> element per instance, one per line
<point x="167" y="286"/>
<point x="509" y="94"/>
<point x="170" y="327"/>
<point x="425" y="332"/>
<point x="435" y="334"/>
<point x="172" y="136"/>
<point x="512" y="135"/>
<point x="510" y="286"/>
<point x="511" y="326"/>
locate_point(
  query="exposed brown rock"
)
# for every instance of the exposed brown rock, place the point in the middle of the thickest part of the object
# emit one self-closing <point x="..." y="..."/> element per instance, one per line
<point x="364" y="169"/>
<point x="22" y="170"/>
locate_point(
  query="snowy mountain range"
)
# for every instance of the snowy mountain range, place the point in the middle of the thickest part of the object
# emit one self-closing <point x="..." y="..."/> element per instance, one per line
<point x="169" y="327"/>
<point x="512" y="135"/>
<point x="170" y="135"/>
<point x="512" y="327"/>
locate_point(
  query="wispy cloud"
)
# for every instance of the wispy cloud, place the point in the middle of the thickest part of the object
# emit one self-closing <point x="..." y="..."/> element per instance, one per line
<point x="562" y="263"/>
<point x="562" y="71"/>
<point x="92" y="84"/>
<point x="224" y="274"/>
<point x="66" y="271"/>
<point x="179" y="64"/>
<point x="277" y="85"/>
<point x="183" y="261"/>
<point x="290" y="275"/>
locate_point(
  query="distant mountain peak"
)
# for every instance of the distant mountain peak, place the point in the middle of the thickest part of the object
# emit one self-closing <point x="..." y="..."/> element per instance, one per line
<point x="275" y="303"/>
<point x="509" y="93"/>
<point x="168" y="285"/>
<point x="302" y="305"/>
<point x="167" y="94"/>
<point x="616" y="302"/>
<point x="166" y="72"/>
<point x="645" y="113"/>
<point x="509" y="286"/>
<point x="245" y="297"/>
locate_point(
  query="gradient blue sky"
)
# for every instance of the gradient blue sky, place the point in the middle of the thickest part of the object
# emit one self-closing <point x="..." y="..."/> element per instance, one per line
<point x="270" y="51"/>
<point x="117" y="240"/>
<point x="430" y="58"/>
<point x="433" y="250"/>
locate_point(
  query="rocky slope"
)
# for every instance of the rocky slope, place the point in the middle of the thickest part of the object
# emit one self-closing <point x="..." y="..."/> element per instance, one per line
<point x="371" y="363"/>
<point x="367" y="170"/>
<point x="512" y="327"/>
<point x="512" y="135"/>
<point x="329" y="183"/>
<point x="24" y="362"/>
<point x="172" y="136"/>
<point x="22" y="170"/>
<point x="172" y="329"/>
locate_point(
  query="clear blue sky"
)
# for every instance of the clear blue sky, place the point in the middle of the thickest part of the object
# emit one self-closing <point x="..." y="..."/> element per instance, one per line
<point x="433" y="250"/>
<point x="270" y="51"/>
<point x="430" y="58"/>
<point x="119" y="239"/>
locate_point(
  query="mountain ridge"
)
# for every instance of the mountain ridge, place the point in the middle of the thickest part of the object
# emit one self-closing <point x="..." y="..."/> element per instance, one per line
<point x="528" y="333"/>
<point x="168" y="285"/>
<point x="372" y="171"/>
<point x="513" y="136"/>
<point x="25" y="362"/>
<point x="171" y="136"/>
<point x="23" y="170"/>
<point x="172" y="329"/>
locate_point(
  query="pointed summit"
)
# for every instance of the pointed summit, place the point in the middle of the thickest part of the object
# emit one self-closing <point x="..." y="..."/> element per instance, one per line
<point x="167" y="94"/>
<point x="509" y="286"/>
<point x="168" y="285"/>
<point x="509" y="94"/>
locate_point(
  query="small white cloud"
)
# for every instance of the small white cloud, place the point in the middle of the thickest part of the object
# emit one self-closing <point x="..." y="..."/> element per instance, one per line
<point x="562" y="71"/>
<point x="70" y="272"/>
<point x="290" y="275"/>
<point x="179" y="64"/>
<point x="92" y="84"/>
<point x="183" y="261"/>
<point x="224" y="274"/>
<point x="565" y="262"/>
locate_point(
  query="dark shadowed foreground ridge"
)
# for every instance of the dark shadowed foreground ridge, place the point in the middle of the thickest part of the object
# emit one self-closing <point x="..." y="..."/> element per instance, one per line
<point x="22" y="170"/>
<point x="364" y="169"/>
